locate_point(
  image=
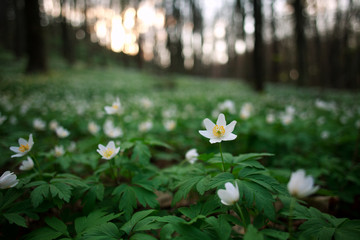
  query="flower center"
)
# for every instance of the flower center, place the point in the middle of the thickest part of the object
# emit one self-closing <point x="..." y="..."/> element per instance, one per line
<point x="218" y="131"/>
<point x="108" y="153"/>
<point x="23" y="148"/>
<point x="115" y="106"/>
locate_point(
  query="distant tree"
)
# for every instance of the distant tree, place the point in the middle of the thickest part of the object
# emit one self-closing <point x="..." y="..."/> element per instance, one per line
<point x="275" y="58"/>
<point x="67" y="43"/>
<point x="19" y="36"/>
<point x="300" y="40"/>
<point x="36" y="50"/>
<point x="258" y="48"/>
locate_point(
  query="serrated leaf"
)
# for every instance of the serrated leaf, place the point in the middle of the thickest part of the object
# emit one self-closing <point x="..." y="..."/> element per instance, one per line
<point x="190" y="232"/>
<point x="104" y="231"/>
<point x="254" y="193"/>
<point x="57" y="225"/>
<point x="15" y="218"/>
<point x="145" y="197"/>
<point x="221" y="227"/>
<point x="62" y="190"/>
<point x="154" y="142"/>
<point x="43" y="233"/>
<point x="220" y="180"/>
<point x="141" y="153"/>
<point x="252" y="233"/>
<point x="142" y="236"/>
<point x="128" y="226"/>
<point x="249" y="156"/>
<point x="127" y="199"/>
<point x="275" y="234"/>
<point x="148" y="223"/>
<point x="185" y="187"/>
<point x="350" y="230"/>
<point x="203" y="185"/>
<point x="38" y="194"/>
<point x="94" y="219"/>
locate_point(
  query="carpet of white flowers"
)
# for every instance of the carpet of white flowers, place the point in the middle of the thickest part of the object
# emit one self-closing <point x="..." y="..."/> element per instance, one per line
<point x="115" y="153"/>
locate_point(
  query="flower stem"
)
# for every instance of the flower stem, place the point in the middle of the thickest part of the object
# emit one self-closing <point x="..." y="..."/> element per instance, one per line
<point x="291" y="208"/>
<point x="241" y="215"/>
<point x="222" y="158"/>
<point x="37" y="164"/>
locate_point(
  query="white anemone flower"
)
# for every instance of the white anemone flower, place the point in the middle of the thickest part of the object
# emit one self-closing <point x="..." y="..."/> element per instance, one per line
<point x="246" y="111"/>
<point x="220" y="131"/>
<point x="27" y="164"/>
<point x="8" y="180"/>
<point x="301" y="185"/>
<point x="145" y="126"/>
<point x="93" y="128"/>
<point x="169" y="125"/>
<point x="2" y="119"/>
<point x="111" y="131"/>
<point x="109" y="151"/>
<point x="62" y="132"/>
<point x="39" y="124"/>
<point x="59" y="151"/>
<point x="115" y="108"/>
<point x="24" y="147"/>
<point x="230" y="195"/>
<point x="53" y="125"/>
<point x="191" y="156"/>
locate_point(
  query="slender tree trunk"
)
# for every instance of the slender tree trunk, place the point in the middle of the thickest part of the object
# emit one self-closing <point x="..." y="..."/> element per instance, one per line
<point x="67" y="44"/>
<point x="36" y="50"/>
<point x="258" y="48"/>
<point x="19" y="44"/>
<point x="275" y="59"/>
<point x="300" y="41"/>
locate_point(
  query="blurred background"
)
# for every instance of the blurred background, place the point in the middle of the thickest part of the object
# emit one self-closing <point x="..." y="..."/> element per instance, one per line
<point x="303" y="42"/>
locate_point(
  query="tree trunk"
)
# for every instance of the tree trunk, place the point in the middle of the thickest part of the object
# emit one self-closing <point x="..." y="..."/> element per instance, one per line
<point x="258" y="48"/>
<point x="37" y="60"/>
<point x="67" y="44"/>
<point x="19" y="44"/>
<point x="275" y="59"/>
<point x="300" y="41"/>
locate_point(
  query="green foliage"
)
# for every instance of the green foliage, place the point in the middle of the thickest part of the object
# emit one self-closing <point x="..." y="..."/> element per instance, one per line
<point x="150" y="190"/>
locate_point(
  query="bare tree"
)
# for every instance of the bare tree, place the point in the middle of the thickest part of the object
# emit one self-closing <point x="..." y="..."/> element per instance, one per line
<point x="36" y="50"/>
<point x="258" y="48"/>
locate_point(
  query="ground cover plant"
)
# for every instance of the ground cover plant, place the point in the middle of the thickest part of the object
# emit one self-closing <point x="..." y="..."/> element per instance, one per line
<point x="113" y="153"/>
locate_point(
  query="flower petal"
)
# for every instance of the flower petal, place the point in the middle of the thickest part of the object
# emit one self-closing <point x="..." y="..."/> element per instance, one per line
<point x="206" y="134"/>
<point x="229" y="128"/>
<point x="209" y="125"/>
<point x="229" y="137"/>
<point x="221" y="120"/>
<point x="215" y="140"/>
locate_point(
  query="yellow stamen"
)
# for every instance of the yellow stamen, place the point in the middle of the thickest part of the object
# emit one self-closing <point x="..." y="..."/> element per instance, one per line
<point x="115" y="106"/>
<point x="23" y="148"/>
<point x="218" y="131"/>
<point x="108" y="153"/>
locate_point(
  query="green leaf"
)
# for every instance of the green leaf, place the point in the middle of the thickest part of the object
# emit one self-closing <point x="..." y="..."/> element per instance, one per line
<point x="44" y="233"/>
<point x="127" y="199"/>
<point x="220" y="180"/>
<point x="38" y="194"/>
<point x="154" y="142"/>
<point x="142" y="236"/>
<point x="253" y="192"/>
<point x="57" y="225"/>
<point x="221" y="227"/>
<point x="185" y="187"/>
<point x="96" y="218"/>
<point x="145" y="197"/>
<point x="190" y="232"/>
<point x="252" y="233"/>
<point x="141" y="153"/>
<point x="15" y="218"/>
<point x="62" y="190"/>
<point x="9" y="198"/>
<point x="128" y="226"/>
<point x="349" y="230"/>
<point x="148" y="223"/>
<point x="105" y="231"/>
<point x="275" y="234"/>
<point x="250" y="156"/>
